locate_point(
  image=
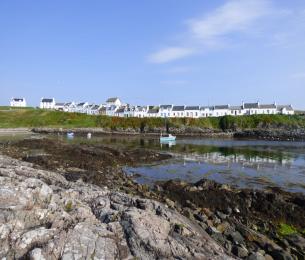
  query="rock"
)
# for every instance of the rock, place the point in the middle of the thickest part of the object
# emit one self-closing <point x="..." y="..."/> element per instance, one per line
<point x="256" y="256"/>
<point x="280" y="255"/>
<point x="221" y="215"/>
<point x="240" y="251"/>
<point x="223" y="227"/>
<point x="211" y="230"/>
<point x="236" y="238"/>
<point x="268" y="257"/>
<point x="297" y="241"/>
<point x="200" y="217"/>
<point x="170" y="203"/>
<point x="44" y="216"/>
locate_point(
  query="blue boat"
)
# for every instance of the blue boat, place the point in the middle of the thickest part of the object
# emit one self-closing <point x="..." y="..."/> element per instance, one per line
<point x="167" y="138"/>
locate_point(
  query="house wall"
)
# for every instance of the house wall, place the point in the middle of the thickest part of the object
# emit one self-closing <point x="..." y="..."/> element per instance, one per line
<point x="14" y="103"/>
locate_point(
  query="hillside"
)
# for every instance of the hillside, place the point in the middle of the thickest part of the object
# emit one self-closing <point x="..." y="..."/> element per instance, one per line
<point x="33" y="118"/>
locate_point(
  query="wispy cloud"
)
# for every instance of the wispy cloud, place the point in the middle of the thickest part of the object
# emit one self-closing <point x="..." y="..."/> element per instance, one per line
<point x="210" y="31"/>
<point x="178" y="70"/>
<point x="169" y="54"/>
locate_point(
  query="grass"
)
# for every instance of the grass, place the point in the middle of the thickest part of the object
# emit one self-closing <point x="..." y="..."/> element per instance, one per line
<point x="286" y="230"/>
<point x="31" y="117"/>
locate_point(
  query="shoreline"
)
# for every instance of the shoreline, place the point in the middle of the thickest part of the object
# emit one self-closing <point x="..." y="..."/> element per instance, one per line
<point x="244" y="222"/>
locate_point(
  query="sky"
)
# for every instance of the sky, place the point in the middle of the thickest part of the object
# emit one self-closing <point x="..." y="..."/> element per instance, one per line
<point x="153" y="52"/>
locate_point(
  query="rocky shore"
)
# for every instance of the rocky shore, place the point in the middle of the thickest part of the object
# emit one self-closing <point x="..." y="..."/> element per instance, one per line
<point x="44" y="216"/>
<point x="74" y="201"/>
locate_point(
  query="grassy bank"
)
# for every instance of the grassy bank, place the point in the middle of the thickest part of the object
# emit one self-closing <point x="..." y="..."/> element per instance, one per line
<point x="41" y="118"/>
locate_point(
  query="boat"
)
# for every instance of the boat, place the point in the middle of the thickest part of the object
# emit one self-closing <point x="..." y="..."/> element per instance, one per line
<point x="167" y="138"/>
<point x="70" y="134"/>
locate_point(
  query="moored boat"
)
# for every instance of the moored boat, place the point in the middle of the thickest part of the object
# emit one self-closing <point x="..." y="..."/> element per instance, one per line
<point x="167" y="138"/>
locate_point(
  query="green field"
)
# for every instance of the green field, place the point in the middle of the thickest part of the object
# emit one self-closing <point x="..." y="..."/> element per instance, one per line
<point x="30" y="117"/>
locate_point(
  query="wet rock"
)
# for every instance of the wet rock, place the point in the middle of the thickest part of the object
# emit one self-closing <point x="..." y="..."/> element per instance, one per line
<point x="281" y="255"/>
<point x="200" y="217"/>
<point x="221" y="215"/>
<point x="236" y="237"/>
<point x="297" y="241"/>
<point x="256" y="256"/>
<point x="212" y="230"/>
<point x="240" y="251"/>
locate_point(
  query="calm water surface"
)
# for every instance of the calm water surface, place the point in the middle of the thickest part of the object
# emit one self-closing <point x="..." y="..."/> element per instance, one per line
<point x="242" y="163"/>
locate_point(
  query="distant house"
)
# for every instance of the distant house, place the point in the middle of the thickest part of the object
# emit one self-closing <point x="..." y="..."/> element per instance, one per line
<point x="192" y="111"/>
<point x="102" y="110"/>
<point x="81" y="107"/>
<point x="70" y="107"/>
<point x="267" y="109"/>
<point x="164" y="110"/>
<point x="153" y="111"/>
<point x="59" y="106"/>
<point x="47" y="103"/>
<point x="114" y="101"/>
<point x="93" y="109"/>
<point x="177" y="111"/>
<point x="140" y="111"/>
<point x="119" y="112"/>
<point x="250" y="108"/>
<point x="236" y="110"/>
<point x="221" y="110"/>
<point x="206" y="111"/>
<point x="285" y="110"/>
<point x="17" y="102"/>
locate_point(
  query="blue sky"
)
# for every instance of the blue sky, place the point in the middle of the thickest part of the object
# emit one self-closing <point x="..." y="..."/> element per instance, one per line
<point x="152" y="52"/>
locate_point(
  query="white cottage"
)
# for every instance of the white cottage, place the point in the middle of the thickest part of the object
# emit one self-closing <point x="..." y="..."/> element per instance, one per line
<point x="59" y="106"/>
<point x="81" y="107"/>
<point x="70" y="107"/>
<point x="177" y="111"/>
<point x="140" y="111"/>
<point x="165" y="110"/>
<point x="47" y="103"/>
<point x="206" y="111"/>
<point x="114" y="101"/>
<point x="17" y="102"/>
<point x="285" y="110"/>
<point x="192" y="111"/>
<point x="221" y="110"/>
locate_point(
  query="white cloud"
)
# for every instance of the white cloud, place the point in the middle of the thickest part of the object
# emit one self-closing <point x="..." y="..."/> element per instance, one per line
<point x="209" y="32"/>
<point x="169" y="54"/>
<point x="234" y="16"/>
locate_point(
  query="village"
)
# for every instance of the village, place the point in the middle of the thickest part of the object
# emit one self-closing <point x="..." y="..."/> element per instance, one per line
<point x="115" y="107"/>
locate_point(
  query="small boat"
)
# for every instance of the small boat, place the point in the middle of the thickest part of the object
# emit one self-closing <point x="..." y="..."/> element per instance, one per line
<point x="70" y="134"/>
<point x="89" y="135"/>
<point x="167" y="138"/>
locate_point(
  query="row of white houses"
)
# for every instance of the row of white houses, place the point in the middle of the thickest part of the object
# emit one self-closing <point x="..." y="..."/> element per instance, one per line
<point x="115" y="107"/>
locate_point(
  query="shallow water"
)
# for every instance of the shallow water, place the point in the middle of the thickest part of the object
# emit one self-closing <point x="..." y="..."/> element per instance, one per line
<point x="242" y="163"/>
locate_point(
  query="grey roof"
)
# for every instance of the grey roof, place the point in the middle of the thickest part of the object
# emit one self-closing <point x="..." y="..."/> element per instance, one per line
<point x="153" y="111"/>
<point x="178" y="108"/>
<point x="68" y="104"/>
<point x="18" y="99"/>
<point x="192" y="108"/>
<point x="47" y="100"/>
<point x="288" y="107"/>
<point x="267" y="106"/>
<point x="59" y="104"/>
<point x="236" y="107"/>
<point x="205" y="107"/>
<point x="222" y="107"/>
<point x="165" y="106"/>
<point x="113" y="99"/>
<point x="251" y="105"/>
<point x="95" y="107"/>
<point x="81" y="104"/>
<point x="120" y="110"/>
